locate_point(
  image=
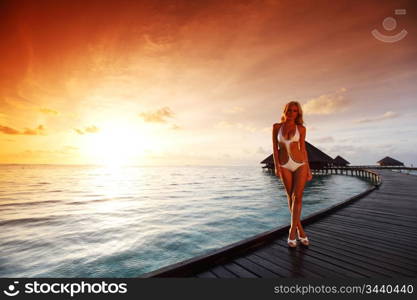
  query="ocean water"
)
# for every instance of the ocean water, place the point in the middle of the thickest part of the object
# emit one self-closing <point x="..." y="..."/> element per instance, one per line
<point x="73" y="221"/>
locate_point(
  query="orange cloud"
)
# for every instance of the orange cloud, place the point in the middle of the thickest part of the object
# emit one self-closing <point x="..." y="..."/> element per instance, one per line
<point x="48" y="111"/>
<point x="79" y="131"/>
<point x="158" y="116"/>
<point x="37" y="131"/>
<point x="228" y="124"/>
<point x="387" y="115"/>
<point x="8" y="130"/>
<point x="327" y="104"/>
<point x="90" y="129"/>
<point x="27" y="131"/>
<point x="325" y="139"/>
<point x="70" y="148"/>
<point x="233" y="110"/>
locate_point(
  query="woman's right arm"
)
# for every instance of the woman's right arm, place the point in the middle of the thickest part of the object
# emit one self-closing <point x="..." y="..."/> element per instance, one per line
<point x="275" y="128"/>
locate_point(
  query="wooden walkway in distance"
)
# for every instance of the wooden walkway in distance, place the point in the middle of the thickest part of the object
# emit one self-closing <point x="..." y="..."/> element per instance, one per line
<point x="372" y="237"/>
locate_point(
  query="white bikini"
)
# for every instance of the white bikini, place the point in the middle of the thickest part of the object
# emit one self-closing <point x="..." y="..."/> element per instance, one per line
<point x="291" y="164"/>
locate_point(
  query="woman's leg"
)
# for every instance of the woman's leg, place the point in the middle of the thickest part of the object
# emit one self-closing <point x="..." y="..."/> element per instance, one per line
<point x="299" y="181"/>
<point x="288" y="184"/>
<point x="287" y="180"/>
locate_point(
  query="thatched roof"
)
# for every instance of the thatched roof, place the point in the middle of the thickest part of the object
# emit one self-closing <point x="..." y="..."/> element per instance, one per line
<point x="340" y="161"/>
<point x="315" y="155"/>
<point x="389" y="161"/>
<point x="268" y="160"/>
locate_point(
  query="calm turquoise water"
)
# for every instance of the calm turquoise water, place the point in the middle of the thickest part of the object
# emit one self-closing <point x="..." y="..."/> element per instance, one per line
<point x="67" y="221"/>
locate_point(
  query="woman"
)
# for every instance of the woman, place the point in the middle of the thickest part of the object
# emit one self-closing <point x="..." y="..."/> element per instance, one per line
<point x="291" y="165"/>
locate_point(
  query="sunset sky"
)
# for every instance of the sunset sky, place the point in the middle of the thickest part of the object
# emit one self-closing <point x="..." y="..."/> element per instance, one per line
<point x="202" y="82"/>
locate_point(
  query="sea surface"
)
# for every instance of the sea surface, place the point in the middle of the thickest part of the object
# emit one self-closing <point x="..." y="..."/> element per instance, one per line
<point x="89" y="221"/>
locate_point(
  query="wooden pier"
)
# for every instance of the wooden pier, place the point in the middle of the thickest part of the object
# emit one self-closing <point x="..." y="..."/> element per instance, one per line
<point x="371" y="235"/>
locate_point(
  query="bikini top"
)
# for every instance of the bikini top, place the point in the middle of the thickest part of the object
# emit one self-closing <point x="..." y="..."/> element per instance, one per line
<point x="294" y="138"/>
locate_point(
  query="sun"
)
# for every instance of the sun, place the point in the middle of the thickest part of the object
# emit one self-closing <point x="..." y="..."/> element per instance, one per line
<point x="116" y="144"/>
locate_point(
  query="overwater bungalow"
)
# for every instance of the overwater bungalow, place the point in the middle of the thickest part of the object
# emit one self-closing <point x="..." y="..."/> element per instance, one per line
<point x="389" y="161"/>
<point x="340" y="161"/>
<point x="317" y="159"/>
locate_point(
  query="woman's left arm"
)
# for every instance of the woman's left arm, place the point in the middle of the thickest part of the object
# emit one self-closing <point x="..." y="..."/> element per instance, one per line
<point x="304" y="149"/>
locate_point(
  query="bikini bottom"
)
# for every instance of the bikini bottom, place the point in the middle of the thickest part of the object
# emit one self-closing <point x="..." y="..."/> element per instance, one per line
<point x="292" y="165"/>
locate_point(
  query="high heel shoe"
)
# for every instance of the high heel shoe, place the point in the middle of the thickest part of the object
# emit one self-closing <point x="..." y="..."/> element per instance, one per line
<point x="303" y="240"/>
<point x="291" y="243"/>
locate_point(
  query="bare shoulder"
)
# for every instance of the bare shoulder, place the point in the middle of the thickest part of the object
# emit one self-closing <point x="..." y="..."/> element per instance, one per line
<point x="302" y="128"/>
<point x="276" y="125"/>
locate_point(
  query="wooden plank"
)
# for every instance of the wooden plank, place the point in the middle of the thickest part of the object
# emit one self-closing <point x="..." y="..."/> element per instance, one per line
<point x="381" y="198"/>
<point x="382" y="202"/>
<point x="370" y="223"/>
<point x="367" y="243"/>
<point x="359" y="258"/>
<point x="361" y="210"/>
<point x="386" y="233"/>
<point x="253" y="267"/>
<point x="206" y="274"/>
<point x="239" y="271"/>
<point x="365" y="246"/>
<point x="285" y="267"/>
<point x="388" y="196"/>
<point x="407" y="220"/>
<point x="222" y="272"/>
<point x="366" y="216"/>
<point x="396" y="193"/>
<point x="375" y="256"/>
<point x="333" y="259"/>
<point x="297" y="264"/>
<point x="388" y="239"/>
<point x="319" y="260"/>
<point x="268" y="265"/>
<point x="383" y="235"/>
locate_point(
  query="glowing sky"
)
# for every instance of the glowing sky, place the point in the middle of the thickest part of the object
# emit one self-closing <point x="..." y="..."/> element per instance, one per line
<point x="202" y="82"/>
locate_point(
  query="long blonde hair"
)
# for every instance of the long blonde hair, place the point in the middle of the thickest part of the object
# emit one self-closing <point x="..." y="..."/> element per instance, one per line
<point x="299" y="120"/>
